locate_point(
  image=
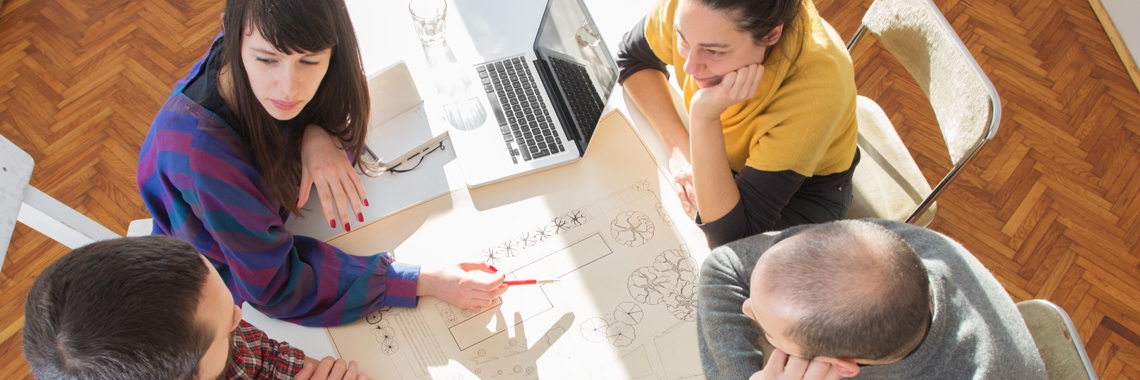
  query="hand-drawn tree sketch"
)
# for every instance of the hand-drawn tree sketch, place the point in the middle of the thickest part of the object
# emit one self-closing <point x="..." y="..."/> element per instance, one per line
<point x="620" y="334"/>
<point x="564" y="348"/>
<point x="383" y="332"/>
<point x="671" y="279"/>
<point x="561" y="224"/>
<point x="544" y="232"/>
<point x="389" y="346"/>
<point x="594" y="329"/>
<point x="491" y="255"/>
<point x="527" y="239"/>
<point x="577" y="217"/>
<point x="628" y="313"/>
<point x="631" y="228"/>
<point x="509" y="248"/>
<point x="375" y="317"/>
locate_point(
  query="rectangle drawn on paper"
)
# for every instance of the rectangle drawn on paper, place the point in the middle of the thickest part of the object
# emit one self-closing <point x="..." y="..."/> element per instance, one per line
<point x="567" y="260"/>
<point x="526" y="301"/>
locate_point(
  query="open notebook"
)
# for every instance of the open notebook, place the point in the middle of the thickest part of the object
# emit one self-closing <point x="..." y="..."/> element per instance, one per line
<point x="399" y="126"/>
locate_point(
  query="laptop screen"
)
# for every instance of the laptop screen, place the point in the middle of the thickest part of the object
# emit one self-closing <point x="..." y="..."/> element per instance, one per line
<point x="568" y="31"/>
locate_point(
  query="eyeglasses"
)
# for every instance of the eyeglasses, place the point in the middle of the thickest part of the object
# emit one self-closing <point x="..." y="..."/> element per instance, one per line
<point x="419" y="157"/>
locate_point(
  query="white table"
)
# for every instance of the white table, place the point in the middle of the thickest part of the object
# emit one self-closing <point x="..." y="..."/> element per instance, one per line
<point x="477" y="30"/>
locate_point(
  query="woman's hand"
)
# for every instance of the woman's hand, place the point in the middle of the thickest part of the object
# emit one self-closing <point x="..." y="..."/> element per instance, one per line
<point x="464" y="285"/>
<point x="737" y="86"/>
<point x="682" y="171"/>
<point x="325" y="164"/>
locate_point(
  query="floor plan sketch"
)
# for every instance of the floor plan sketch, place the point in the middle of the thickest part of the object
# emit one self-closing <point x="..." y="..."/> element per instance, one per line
<point x="623" y="308"/>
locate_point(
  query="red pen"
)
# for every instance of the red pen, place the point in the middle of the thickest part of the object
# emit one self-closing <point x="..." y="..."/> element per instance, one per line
<point x="529" y="282"/>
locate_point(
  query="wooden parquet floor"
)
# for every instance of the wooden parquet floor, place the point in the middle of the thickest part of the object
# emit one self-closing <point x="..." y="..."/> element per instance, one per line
<point x="1050" y="206"/>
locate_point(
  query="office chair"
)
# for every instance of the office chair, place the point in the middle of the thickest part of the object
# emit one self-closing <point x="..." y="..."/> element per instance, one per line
<point x="1057" y="340"/>
<point x="888" y="183"/>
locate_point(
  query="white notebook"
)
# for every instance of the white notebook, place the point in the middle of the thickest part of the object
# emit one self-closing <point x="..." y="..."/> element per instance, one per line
<point x="399" y="126"/>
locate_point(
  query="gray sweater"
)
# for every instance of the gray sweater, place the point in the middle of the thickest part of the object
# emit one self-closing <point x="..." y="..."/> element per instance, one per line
<point x="977" y="332"/>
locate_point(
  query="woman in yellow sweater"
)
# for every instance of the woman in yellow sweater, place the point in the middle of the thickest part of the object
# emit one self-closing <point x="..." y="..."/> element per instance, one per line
<point x="770" y="93"/>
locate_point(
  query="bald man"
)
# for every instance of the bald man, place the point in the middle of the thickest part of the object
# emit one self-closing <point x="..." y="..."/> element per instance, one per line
<point x="858" y="299"/>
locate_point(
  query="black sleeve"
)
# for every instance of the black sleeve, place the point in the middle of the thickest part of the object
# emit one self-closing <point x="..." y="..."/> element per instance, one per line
<point x="635" y="55"/>
<point x="763" y="195"/>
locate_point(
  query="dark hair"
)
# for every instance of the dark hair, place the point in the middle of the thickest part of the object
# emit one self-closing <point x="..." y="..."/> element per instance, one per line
<point x="759" y="17"/>
<point x="864" y="291"/>
<point x="340" y="105"/>
<point x="118" y="309"/>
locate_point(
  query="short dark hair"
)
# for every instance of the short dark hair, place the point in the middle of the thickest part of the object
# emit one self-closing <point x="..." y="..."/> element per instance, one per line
<point x="865" y="292"/>
<point x="759" y="17"/>
<point x="118" y="309"/>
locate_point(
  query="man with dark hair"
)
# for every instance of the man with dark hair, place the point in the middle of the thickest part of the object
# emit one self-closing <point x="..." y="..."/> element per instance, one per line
<point x="151" y="308"/>
<point x="858" y="299"/>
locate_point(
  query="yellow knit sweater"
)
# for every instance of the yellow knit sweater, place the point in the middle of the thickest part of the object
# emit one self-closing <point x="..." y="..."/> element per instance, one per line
<point x="803" y="115"/>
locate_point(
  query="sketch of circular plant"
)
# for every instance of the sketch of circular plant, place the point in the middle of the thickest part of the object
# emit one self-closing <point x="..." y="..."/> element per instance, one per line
<point x="383" y="332"/>
<point x="671" y="279"/>
<point x="649" y="286"/>
<point x="491" y="255"/>
<point x="594" y="329"/>
<point x="561" y="224"/>
<point x="375" y="317"/>
<point x="527" y="239"/>
<point x="564" y="348"/>
<point x="544" y="232"/>
<point x="389" y="346"/>
<point x="628" y="313"/>
<point x="577" y="218"/>
<point x="509" y="248"/>
<point x="641" y="186"/>
<point x="620" y="334"/>
<point x="631" y="228"/>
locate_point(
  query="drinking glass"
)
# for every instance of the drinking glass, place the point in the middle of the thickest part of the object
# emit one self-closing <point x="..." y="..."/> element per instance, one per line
<point x="429" y="17"/>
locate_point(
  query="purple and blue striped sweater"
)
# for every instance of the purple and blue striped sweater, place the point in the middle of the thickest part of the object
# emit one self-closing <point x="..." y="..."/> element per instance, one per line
<point x="198" y="181"/>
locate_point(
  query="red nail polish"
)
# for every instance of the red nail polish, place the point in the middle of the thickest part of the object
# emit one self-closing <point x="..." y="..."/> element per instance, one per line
<point x="347" y="228"/>
<point x="332" y="223"/>
<point x="493" y="270"/>
<point x="365" y="203"/>
<point x="360" y="217"/>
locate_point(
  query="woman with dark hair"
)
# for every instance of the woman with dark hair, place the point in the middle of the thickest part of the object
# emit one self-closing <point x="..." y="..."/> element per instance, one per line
<point x="273" y="107"/>
<point x="770" y="90"/>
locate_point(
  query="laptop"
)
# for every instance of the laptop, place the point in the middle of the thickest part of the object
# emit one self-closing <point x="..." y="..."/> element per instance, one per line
<point x="544" y="102"/>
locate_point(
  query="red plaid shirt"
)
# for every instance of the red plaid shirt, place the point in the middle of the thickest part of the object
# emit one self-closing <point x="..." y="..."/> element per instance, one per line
<point x="255" y="356"/>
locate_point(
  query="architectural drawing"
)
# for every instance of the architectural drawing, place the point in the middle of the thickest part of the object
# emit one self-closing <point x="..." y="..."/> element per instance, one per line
<point x="621" y="241"/>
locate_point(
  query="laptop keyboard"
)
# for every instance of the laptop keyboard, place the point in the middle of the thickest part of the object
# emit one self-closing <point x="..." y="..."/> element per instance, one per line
<point x="523" y="119"/>
<point x="579" y="90"/>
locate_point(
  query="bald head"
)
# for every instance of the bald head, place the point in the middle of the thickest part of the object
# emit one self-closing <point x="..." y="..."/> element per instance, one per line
<point x="852" y="289"/>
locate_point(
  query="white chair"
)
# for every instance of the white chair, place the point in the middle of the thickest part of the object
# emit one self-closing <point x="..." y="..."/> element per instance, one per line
<point x="888" y="184"/>
<point x="22" y="203"/>
<point x="1057" y="341"/>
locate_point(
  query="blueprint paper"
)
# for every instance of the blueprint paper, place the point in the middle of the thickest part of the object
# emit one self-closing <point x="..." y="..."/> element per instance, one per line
<point x="625" y="305"/>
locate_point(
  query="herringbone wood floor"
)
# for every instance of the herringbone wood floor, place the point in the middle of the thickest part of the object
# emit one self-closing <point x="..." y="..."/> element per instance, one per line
<point x="1050" y="207"/>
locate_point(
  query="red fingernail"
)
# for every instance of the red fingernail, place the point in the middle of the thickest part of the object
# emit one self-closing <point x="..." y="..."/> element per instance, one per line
<point x="360" y="217"/>
<point x="332" y="223"/>
<point x="493" y="270"/>
<point x="347" y="228"/>
<point x="365" y="203"/>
